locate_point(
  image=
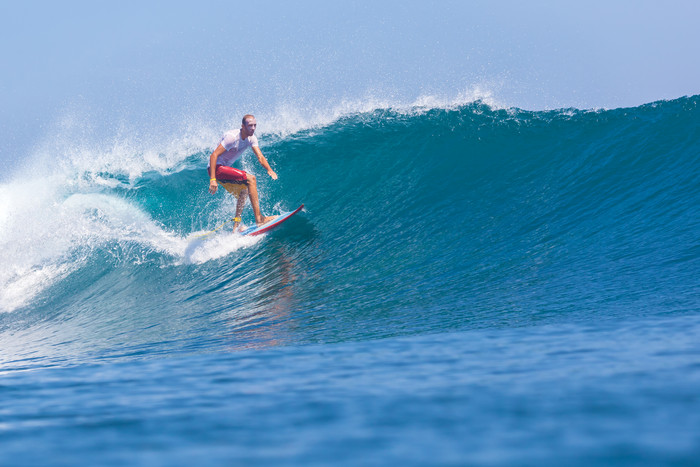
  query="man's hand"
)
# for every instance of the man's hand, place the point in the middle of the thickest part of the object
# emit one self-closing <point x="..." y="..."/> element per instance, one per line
<point x="213" y="186"/>
<point x="272" y="174"/>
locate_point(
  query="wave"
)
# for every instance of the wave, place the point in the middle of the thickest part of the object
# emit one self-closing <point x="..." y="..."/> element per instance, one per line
<point x="420" y="218"/>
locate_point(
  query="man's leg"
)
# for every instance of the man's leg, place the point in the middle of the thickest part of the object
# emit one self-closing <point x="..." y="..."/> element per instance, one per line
<point x="240" y="203"/>
<point x="253" y="193"/>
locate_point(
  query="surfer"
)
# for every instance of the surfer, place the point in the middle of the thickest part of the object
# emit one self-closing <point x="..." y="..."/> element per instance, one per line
<point x="238" y="182"/>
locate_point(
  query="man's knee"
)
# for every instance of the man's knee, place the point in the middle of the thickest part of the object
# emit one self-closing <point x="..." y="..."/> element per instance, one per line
<point x="251" y="179"/>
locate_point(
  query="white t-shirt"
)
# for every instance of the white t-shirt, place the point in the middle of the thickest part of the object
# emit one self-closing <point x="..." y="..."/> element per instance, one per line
<point x="234" y="145"/>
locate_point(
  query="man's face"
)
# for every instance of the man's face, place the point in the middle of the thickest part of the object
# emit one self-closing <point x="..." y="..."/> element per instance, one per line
<point x="250" y="125"/>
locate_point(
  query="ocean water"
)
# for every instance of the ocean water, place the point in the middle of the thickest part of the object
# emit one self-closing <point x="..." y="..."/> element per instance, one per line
<point x="467" y="285"/>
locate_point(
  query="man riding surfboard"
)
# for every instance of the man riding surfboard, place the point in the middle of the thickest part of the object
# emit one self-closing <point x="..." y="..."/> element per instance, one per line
<point x="238" y="182"/>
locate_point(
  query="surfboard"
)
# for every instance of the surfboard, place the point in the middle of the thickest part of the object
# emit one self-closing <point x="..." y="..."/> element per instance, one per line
<point x="255" y="230"/>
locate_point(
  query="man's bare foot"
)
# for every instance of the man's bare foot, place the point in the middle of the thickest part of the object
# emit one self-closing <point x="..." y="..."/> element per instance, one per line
<point x="266" y="219"/>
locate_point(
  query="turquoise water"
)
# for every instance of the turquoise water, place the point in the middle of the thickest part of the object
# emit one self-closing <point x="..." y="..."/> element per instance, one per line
<point x="467" y="285"/>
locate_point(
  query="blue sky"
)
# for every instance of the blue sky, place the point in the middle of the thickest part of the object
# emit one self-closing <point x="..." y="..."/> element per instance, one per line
<point x="154" y="64"/>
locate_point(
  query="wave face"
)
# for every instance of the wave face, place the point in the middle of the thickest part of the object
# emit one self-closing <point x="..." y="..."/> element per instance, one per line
<point x="418" y="222"/>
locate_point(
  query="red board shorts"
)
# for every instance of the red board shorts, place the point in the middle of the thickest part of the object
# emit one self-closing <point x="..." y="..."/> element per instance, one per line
<point x="233" y="180"/>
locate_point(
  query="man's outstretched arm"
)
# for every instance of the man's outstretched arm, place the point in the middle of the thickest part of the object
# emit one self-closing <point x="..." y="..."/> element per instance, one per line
<point x="263" y="162"/>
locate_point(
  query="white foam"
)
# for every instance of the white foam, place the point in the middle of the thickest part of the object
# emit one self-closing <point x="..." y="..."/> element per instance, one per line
<point x="72" y="148"/>
<point x="200" y="249"/>
<point x="45" y="235"/>
<point x="19" y="285"/>
<point x="478" y="93"/>
<point x="31" y="240"/>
